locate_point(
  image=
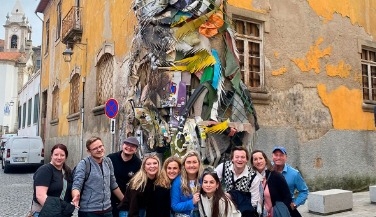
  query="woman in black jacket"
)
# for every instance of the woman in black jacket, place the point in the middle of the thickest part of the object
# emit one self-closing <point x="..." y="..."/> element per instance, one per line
<point x="273" y="187"/>
<point x="160" y="200"/>
<point x="140" y="188"/>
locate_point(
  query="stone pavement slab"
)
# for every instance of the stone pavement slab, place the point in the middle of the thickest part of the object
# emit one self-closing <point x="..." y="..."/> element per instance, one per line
<point x="362" y="207"/>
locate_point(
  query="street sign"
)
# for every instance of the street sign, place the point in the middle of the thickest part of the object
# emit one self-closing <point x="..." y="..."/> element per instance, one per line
<point x="112" y="108"/>
<point x="112" y="126"/>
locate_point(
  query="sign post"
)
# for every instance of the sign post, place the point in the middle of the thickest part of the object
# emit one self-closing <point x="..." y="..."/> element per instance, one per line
<point x="111" y="110"/>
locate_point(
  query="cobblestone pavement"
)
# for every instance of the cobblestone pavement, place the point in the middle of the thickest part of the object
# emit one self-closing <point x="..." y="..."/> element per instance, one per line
<point x="16" y="192"/>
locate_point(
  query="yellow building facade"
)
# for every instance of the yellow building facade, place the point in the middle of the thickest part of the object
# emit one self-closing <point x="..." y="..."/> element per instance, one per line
<point x="309" y="67"/>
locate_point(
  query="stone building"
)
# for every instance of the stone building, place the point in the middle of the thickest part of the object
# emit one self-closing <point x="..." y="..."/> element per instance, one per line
<point x="15" y="56"/>
<point x="308" y="65"/>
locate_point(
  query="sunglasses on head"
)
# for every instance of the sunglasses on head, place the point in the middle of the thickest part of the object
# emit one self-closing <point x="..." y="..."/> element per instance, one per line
<point x="209" y="170"/>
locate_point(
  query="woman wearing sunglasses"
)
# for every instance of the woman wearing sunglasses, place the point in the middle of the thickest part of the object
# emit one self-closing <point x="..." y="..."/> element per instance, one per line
<point x="185" y="188"/>
<point x="213" y="200"/>
<point x="161" y="206"/>
<point x="140" y="189"/>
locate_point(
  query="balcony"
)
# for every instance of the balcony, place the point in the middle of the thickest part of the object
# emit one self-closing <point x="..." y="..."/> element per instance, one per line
<point x="72" y="26"/>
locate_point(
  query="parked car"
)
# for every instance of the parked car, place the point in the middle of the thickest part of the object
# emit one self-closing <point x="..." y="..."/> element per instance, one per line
<point x="22" y="151"/>
<point x="3" y="139"/>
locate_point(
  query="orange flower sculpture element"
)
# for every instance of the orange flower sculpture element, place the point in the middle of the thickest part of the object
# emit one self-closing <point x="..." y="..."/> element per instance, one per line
<point x="211" y="26"/>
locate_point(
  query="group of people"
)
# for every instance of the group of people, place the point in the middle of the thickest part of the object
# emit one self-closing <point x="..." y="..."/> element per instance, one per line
<point x="121" y="185"/>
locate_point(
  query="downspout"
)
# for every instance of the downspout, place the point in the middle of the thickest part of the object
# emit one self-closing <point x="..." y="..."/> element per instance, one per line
<point x="40" y="87"/>
<point x="36" y="14"/>
<point x="82" y="117"/>
<point x="83" y="104"/>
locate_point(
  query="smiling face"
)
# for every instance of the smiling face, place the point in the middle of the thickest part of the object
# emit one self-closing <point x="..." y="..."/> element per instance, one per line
<point x="239" y="159"/>
<point x="279" y="158"/>
<point x="258" y="161"/>
<point x="172" y="170"/>
<point x="129" y="149"/>
<point x="209" y="185"/>
<point x="151" y="168"/>
<point x="58" y="157"/>
<point x="192" y="165"/>
<point x="96" y="149"/>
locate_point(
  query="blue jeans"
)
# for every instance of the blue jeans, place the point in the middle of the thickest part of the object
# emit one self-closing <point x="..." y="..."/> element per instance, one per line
<point x="36" y="214"/>
<point x="123" y="213"/>
<point x="90" y="214"/>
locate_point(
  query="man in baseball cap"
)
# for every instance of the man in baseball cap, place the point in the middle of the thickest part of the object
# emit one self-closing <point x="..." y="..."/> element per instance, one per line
<point x="293" y="178"/>
<point x="126" y="164"/>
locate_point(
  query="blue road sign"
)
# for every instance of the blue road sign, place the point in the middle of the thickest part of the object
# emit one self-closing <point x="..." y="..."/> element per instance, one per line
<point x="112" y="108"/>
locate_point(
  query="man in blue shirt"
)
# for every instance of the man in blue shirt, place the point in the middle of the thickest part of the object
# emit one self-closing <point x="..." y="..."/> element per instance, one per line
<point x="298" y="187"/>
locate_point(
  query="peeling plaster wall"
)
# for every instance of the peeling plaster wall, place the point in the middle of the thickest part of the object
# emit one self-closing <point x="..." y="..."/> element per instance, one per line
<point x="313" y="74"/>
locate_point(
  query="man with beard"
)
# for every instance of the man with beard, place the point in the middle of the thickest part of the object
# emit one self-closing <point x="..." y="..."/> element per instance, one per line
<point x="126" y="164"/>
<point x="298" y="187"/>
<point x="240" y="181"/>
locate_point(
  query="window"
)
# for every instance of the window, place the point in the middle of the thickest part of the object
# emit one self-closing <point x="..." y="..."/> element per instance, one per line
<point x="104" y="79"/>
<point x="248" y="38"/>
<point x="58" y="21"/>
<point x="19" y="116"/>
<point x="74" y="94"/>
<point x="37" y="64"/>
<point x="55" y="103"/>
<point x="14" y="41"/>
<point x="47" y="36"/>
<point x="369" y="75"/>
<point x="24" y="115"/>
<point x="36" y="108"/>
<point x="29" y="106"/>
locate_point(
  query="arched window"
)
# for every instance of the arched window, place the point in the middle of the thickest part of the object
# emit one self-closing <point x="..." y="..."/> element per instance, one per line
<point x="74" y="105"/>
<point x="105" y="71"/>
<point x="14" y="41"/>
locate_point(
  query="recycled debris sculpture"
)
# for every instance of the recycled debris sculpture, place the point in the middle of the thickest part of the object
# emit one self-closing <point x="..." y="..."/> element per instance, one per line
<point x="184" y="87"/>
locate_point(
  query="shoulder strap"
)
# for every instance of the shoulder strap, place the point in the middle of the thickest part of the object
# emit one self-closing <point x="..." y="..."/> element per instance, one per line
<point x="87" y="168"/>
<point x="202" y="205"/>
<point x="62" y="195"/>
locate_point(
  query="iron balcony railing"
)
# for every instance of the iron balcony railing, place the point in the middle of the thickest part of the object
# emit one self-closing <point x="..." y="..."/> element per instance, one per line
<point x="72" y="25"/>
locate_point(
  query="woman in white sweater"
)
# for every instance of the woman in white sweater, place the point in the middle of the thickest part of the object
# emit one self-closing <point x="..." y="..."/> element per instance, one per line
<point x="213" y="201"/>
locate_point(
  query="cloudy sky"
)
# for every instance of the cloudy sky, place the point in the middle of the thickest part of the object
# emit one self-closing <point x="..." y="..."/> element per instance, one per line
<point x="29" y="7"/>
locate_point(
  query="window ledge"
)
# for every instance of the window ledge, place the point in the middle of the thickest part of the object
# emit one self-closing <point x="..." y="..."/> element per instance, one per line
<point x="367" y="107"/>
<point x="98" y="110"/>
<point x="261" y="98"/>
<point x="54" y="122"/>
<point x="73" y="117"/>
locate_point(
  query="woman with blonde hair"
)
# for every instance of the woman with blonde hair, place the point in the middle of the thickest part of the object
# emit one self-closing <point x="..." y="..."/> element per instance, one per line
<point x="140" y="188"/>
<point x="185" y="189"/>
<point x="161" y="206"/>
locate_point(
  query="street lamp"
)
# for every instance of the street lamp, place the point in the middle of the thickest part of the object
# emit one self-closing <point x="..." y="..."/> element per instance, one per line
<point x="67" y="54"/>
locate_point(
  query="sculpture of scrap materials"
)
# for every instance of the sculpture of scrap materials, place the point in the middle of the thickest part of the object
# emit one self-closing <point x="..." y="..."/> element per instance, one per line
<point x="185" y="87"/>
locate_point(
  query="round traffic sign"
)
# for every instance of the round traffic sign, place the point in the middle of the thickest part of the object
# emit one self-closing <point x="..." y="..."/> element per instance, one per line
<point x="112" y="108"/>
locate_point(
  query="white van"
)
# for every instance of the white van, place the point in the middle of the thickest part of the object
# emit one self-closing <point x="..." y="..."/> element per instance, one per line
<point x="22" y="151"/>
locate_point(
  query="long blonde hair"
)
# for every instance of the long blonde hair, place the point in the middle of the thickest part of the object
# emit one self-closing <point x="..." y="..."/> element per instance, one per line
<point x="184" y="176"/>
<point x="163" y="179"/>
<point x="140" y="178"/>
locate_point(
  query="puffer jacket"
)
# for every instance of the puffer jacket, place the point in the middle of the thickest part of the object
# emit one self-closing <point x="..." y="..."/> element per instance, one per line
<point x="55" y="207"/>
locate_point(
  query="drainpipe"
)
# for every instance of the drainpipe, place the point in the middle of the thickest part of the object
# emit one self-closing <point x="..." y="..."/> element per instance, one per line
<point x="82" y="117"/>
